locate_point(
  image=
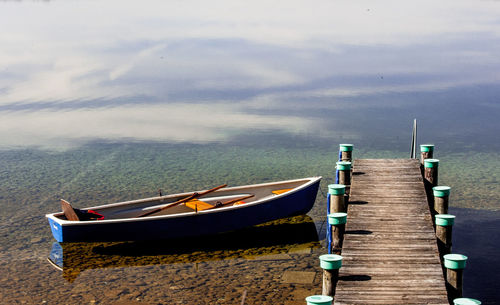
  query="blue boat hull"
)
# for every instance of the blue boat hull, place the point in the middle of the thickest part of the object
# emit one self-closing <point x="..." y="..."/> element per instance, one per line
<point x="195" y="224"/>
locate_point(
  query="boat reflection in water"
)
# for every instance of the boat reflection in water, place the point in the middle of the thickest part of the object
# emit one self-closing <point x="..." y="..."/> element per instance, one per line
<point x="288" y="235"/>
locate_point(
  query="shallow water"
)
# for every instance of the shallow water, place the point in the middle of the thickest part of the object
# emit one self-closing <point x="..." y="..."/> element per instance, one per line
<point x="217" y="270"/>
<point x="107" y="101"/>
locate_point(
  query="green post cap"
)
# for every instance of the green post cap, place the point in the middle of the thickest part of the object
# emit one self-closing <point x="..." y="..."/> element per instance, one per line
<point x="455" y="261"/>
<point x="466" y="301"/>
<point x="319" y="300"/>
<point x="441" y="191"/>
<point x="445" y="220"/>
<point x="337" y="218"/>
<point x="431" y="163"/>
<point x="426" y="147"/>
<point x="344" y="166"/>
<point x="330" y="261"/>
<point x="336" y="189"/>
<point x="346" y="147"/>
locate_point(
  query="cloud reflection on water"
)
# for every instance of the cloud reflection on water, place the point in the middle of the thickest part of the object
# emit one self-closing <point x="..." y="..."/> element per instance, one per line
<point x="200" y="123"/>
<point x="224" y="68"/>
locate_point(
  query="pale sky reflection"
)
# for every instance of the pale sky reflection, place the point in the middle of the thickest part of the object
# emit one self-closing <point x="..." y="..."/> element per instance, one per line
<point x="181" y="59"/>
<point x="198" y="123"/>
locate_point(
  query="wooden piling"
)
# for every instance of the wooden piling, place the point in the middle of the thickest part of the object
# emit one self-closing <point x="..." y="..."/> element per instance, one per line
<point x="329" y="281"/>
<point x="346" y="152"/>
<point x="337" y="198"/>
<point x="454" y="264"/>
<point x="344" y="169"/>
<point x="337" y="229"/>
<point x="426" y="152"/>
<point x="455" y="281"/>
<point x="444" y="226"/>
<point x="441" y="198"/>
<point x="330" y="263"/>
<point x="431" y="171"/>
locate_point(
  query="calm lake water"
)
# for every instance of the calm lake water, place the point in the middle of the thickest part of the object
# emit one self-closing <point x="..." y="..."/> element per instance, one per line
<point x="103" y="101"/>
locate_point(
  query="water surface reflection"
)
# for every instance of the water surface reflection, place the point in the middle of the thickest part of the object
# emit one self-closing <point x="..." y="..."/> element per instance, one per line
<point x="291" y="235"/>
<point x="199" y="72"/>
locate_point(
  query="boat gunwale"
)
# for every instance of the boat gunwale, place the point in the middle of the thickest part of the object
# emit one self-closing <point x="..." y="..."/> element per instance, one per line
<point x="62" y="222"/>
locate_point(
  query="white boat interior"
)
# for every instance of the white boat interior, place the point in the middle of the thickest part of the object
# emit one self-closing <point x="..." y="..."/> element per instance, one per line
<point x="135" y="208"/>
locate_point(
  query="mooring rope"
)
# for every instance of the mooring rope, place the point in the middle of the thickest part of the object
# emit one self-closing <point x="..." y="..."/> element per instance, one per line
<point x="322" y="193"/>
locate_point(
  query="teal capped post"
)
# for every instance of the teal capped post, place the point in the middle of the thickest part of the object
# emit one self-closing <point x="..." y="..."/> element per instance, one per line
<point x="319" y="300"/>
<point x="441" y="198"/>
<point x="431" y="171"/>
<point x="427" y="148"/>
<point x="343" y="165"/>
<point x="346" y="147"/>
<point x="454" y="264"/>
<point x="337" y="223"/>
<point x="431" y="163"/>
<point x="444" y="230"/>
<point x="441" y="191"/>
<point x="466" y="301"/>
<point x="344" y="170"/>
<point x="445" y="220"/>
<point x="336" y="189"/>
<point x="426" y="152"/>
<point x="330" y="263"/>
<point x="337" y="218"/>
<point x="336" y="193"/>
<point x="455" y="261"/>
<point x="346" y="152"/>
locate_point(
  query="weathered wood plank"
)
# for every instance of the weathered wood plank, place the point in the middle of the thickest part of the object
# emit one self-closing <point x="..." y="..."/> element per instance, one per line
<point x="381" y="289"/>
<point x="395" y="282"/>
<point x="390" y="251"/>
<point x="387" y="229"/>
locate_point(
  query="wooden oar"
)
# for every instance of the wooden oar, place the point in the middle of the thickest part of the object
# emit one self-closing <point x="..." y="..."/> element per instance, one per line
<point x="68" y="211"/>
<point x="190" y="197"/>
<point x="231" y="202"/>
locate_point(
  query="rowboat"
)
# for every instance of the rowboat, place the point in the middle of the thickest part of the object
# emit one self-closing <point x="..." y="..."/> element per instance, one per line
<point x="220" y="209"/>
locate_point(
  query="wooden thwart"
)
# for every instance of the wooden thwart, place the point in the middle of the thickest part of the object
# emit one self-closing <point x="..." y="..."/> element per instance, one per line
<point x="390" y="251"/>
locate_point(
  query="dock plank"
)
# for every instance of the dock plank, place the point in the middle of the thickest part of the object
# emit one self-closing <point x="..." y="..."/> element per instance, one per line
<point x="390" y="250"/>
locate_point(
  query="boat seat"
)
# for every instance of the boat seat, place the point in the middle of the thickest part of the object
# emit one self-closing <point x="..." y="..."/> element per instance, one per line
<point x="278" y="192"/>
<point x="68" y="211"/>
<point x="198" y="205"/>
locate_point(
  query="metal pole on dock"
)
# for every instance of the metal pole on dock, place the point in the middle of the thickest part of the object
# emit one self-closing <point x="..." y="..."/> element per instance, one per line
<point x="337" y="223"/>
<point x="454" y="264"/>
<point x="330" y="263"/>
<point x="413" y="147"/>
<point x="444" y="228"/>
<point x="441" y="198"/>
<point x="344" y="168"/>
<point x="346" y="152"/>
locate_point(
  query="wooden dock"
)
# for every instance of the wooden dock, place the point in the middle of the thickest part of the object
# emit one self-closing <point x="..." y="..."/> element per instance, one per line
<point x="390" y="251"/>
